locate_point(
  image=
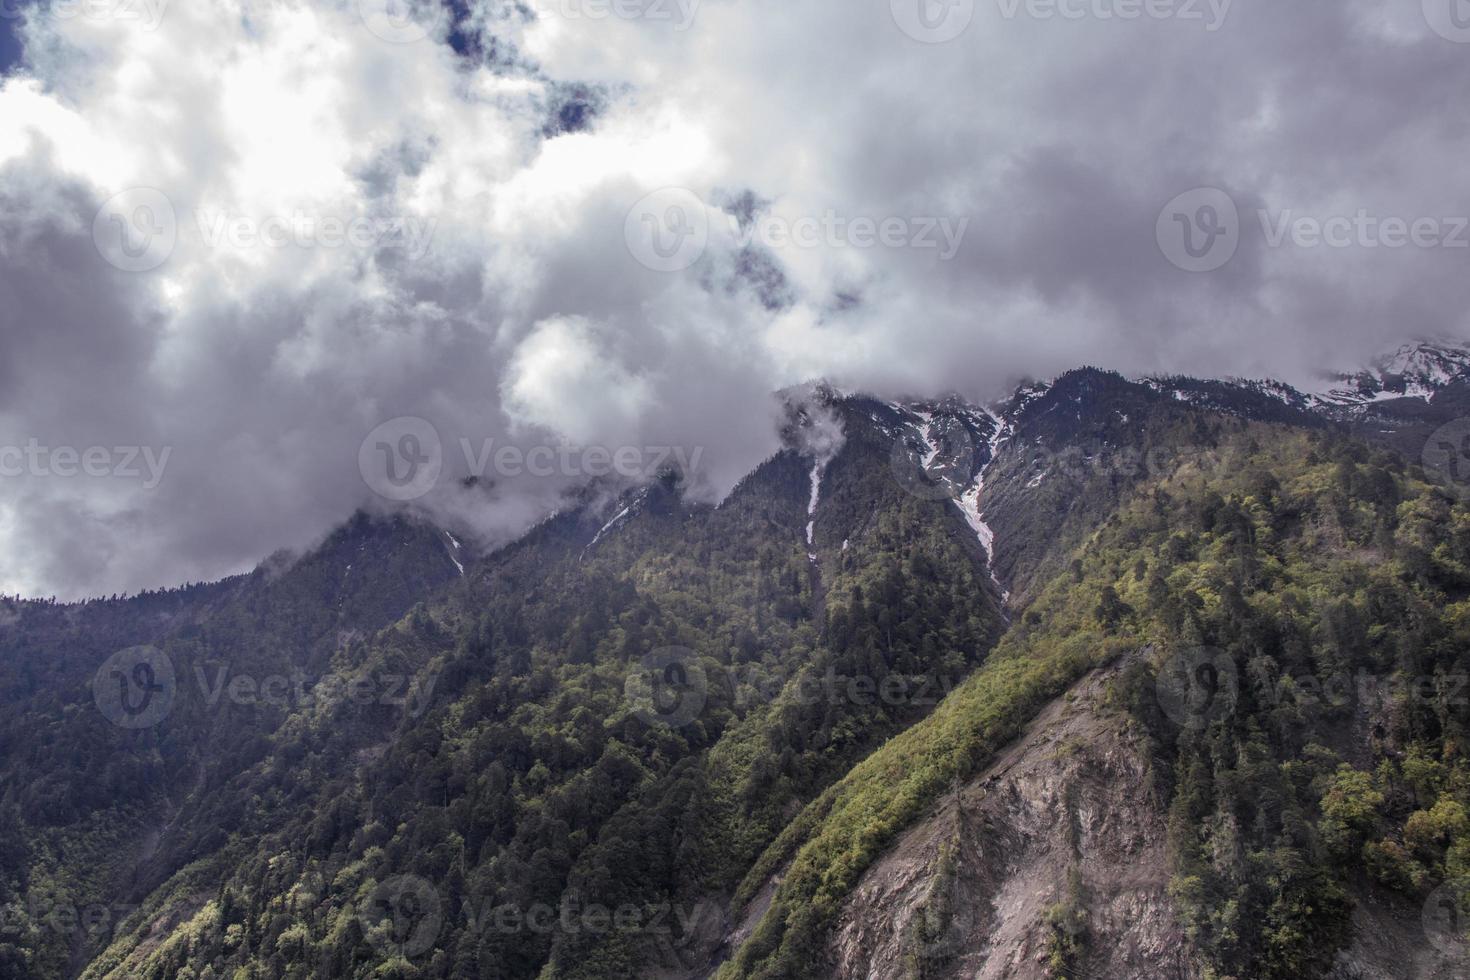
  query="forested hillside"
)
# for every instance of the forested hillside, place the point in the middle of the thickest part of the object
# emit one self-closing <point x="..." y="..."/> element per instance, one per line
<point x="1300" y="604"/>
<point x="667" y="739"/>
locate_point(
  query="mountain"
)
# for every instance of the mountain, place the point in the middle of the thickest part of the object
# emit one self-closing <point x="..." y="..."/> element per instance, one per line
<point x="1418" y="370"/>
<point x="1403" y="399"/>
<point x="1124" y="678"/>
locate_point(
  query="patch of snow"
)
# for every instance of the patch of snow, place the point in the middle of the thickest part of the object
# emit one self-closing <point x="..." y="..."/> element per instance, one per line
<point x="811" y="507"/>
<point x="454" y="547"/>
<point x="971" y="504"/>
<point x="638" y="499"/>
<point x="1025" y="396"/>
<point x="1271" y="388"/>
<point x="930" y="442"/>
<point x="609" y="525"/>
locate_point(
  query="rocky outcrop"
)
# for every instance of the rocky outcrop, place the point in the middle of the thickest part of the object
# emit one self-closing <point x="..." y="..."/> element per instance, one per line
<point x="1394" y="938"/>
<point x="1051" y="863"/>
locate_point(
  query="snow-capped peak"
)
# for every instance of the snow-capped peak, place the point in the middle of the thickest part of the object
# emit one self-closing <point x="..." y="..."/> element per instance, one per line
<point x="1416" y="370"/>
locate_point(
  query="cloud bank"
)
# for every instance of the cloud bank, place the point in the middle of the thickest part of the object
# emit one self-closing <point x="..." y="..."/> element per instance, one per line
<point x="297" y="250"/>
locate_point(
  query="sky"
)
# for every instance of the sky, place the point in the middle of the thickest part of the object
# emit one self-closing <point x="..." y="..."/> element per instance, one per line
<point x="10" y="49"/>
<point x="266" y="262"/>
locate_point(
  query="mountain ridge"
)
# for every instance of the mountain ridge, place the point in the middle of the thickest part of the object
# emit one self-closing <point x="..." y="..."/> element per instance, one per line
<point x="651" y="702"/>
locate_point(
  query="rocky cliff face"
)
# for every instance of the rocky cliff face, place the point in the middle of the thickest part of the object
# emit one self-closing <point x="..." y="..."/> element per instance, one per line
<point x="1389" y="942"/>
<point x="1051" y="863"/>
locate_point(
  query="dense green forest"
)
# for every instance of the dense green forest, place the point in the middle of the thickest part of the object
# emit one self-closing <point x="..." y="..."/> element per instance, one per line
<point x="1325" y="584"/>
<point x="672" y="743"/>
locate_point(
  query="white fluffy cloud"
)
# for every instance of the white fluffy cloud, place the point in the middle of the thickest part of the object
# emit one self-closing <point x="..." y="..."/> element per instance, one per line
<point x="371" y="226"/>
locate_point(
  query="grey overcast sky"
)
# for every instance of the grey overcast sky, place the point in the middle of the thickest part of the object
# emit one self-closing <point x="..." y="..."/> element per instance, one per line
<point x="238" y="236"/>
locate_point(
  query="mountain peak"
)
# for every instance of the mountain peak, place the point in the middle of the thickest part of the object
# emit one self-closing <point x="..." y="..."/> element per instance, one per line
<point x="1415" y="370"/>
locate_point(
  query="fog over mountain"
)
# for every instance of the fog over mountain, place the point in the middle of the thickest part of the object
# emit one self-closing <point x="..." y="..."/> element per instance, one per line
<point x="237" y="238"/>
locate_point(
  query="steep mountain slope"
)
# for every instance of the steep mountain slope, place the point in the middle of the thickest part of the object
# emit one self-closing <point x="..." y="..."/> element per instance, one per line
<point x="1265" y="559"/>
<point x="89" y="806"/>
<point x="1058" y="843"/>
<point x="621" y="714"/>
<point x="919" y="699"/>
